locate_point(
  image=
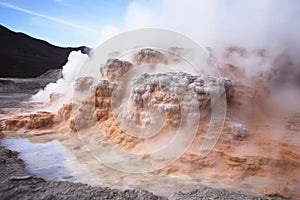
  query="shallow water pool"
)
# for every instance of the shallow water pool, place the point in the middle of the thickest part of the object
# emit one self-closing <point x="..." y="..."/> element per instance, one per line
<point x="64" y="158"/>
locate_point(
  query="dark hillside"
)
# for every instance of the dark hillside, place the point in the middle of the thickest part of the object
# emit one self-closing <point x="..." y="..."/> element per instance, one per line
<point x="24" y="56"/>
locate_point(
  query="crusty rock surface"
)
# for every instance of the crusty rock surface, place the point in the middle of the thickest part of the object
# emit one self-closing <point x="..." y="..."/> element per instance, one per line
<point x="149" y="55"/>
<point x="83" y="83"/>
<point x="114" y="69"/>
<point x="37" y="120"/>
<point x="180" y="84"/>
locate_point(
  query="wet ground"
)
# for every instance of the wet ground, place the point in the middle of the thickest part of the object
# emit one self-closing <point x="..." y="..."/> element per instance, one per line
<point x="16" y="184"/>
<point x="63" y="158"/>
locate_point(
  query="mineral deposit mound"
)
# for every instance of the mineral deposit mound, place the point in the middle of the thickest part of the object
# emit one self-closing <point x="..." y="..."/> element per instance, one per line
<point x="255" y="142"/>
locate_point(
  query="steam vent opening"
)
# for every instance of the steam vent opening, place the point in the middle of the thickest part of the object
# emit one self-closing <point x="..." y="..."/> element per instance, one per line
<point x="170" y="113"/>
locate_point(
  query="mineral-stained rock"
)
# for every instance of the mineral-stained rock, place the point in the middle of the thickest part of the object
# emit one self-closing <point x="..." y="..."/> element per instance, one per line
<point x="42" y="120"/>
<point x="104" y="88"/>
<point x="179" y="82"/>
<point x="37" y="120"/>
<point x="239" y="131"/>
<point x="168" y="93"/>
<point x="95" y="107"/>
<point x="83" y="115"/>
<point x="172" y="87"/>
<point x="148" y="55"/>
<point x="102" y="98"/>
<point x="285" y="191"/>
<point x="114" y="69"/>
<point x="83" y="84"/>
<point x="65" y="112"/>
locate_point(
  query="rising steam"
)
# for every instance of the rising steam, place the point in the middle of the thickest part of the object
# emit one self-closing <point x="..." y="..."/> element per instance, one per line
<point x="63" y="86"/>
<point x="267" y="30"/>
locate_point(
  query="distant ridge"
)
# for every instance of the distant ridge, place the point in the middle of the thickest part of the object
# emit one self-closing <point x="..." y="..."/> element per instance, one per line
<point x="23" y="56"/>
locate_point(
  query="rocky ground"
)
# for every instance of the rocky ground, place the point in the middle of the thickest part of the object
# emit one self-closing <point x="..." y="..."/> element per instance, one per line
<point x="15" y="184"/>
<point x="13" y="91"/>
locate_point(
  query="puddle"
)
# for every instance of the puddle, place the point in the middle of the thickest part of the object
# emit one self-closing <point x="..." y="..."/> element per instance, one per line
<point x="60" y="157"/>
<point x="49" y="160"/>
<point x="64" y="158"/>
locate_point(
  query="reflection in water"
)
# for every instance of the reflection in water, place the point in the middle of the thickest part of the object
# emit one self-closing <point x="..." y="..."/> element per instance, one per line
<point x="44" y="160"/>
<point x="49" y="160"/>
<point x="61" y="157"/>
